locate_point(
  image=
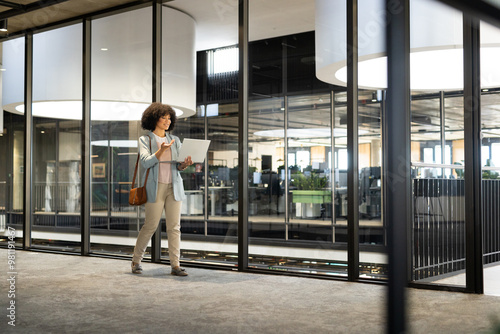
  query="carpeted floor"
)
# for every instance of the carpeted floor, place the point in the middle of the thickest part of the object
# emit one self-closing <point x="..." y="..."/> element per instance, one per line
<point x="73" y="294"/>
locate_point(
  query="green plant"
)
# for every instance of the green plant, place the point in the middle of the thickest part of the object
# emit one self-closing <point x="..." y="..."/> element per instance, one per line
<point x="312" y="182"/>
<point x="294" y="169"/>
<point x="489" y="174"/>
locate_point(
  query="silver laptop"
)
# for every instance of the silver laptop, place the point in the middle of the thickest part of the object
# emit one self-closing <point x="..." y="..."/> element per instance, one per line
<point x="196" y="148"/>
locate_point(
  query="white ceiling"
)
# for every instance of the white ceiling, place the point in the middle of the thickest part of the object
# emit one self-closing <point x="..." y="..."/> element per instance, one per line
<point x="217" y="21"/>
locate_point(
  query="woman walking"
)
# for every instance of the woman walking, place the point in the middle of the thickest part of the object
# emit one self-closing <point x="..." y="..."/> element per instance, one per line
<point x="164" y="187"/>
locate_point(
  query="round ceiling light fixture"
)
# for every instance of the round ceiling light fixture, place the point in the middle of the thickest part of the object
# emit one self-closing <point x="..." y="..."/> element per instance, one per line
<point x="436" y="46"/>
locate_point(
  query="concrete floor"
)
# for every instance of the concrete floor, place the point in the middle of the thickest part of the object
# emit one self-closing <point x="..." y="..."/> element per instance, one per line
<point x="73" y="294"/>
<point x="491" y="279"/>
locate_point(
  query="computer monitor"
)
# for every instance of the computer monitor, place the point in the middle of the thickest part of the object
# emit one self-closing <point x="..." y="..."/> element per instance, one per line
<point x="341" y="178"/>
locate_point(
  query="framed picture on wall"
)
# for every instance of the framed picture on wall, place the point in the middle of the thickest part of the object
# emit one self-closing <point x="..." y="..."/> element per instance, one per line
<point x="99" y="170"/>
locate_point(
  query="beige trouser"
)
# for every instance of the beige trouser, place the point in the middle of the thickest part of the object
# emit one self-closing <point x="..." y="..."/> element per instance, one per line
<point x="164" y="200"/>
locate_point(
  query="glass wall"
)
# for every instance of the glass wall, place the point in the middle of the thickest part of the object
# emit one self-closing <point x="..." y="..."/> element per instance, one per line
<point x="291" y="167"/>
<point x="121" y="90"/>
<point x="437" y="156"/>
<point x="490" y="157"/>
<point x="57" y="81"/>
<point x="222" y="176"/>
<point x="371" y="223"/>
<point x="266" y="170"/>
<point x="12" y="142"/>
<point x="297" y="141"/>
<point x="209" y="222"/>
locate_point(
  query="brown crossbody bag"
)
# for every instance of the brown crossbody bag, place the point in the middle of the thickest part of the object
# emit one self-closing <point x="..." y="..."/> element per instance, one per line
<point x="138" y="196"/>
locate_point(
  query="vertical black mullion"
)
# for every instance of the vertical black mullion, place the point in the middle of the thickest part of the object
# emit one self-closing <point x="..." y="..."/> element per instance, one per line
<point x="85" y="140"/>
<point x="285" y="153"/>
<point x="28" y="139"/>
<point x="440" y="245"/>
<point x="109" y="187"/>
<point x="205" y="179"/>
<point x="352" y="142"/>
<point x="156" y="63"/>
<point x="57" y="191"/>
<point x="494" y="224"/>
<point x="243" y="80"/>
<point x="426" y="237"/>
<point x="332" y="161"/>
<point x="398" y="180"/>
<point x="472" y="134"/>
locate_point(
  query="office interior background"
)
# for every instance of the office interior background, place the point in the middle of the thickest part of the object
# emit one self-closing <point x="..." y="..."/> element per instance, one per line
<point x="298" y="135"/>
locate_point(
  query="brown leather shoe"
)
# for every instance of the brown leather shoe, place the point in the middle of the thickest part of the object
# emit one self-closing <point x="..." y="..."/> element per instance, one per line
<point x="179" y="271"/>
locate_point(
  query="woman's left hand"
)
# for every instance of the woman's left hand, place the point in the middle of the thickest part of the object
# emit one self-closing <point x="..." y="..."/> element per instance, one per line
<point x="187" y="162"/>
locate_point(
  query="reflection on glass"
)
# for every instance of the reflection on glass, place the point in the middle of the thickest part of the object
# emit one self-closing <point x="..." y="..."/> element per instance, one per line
<point x="56" y="139"/>
<point x="438" y="190"/>
<point x="371" y="226"/>
<point x="490" y="156"/>
<point x="115" y="126"/>
<point x="310" y="178"/>
<point x="437" y="144"/>
<point x="266" y="170"/>
<point x="12" y="143"/>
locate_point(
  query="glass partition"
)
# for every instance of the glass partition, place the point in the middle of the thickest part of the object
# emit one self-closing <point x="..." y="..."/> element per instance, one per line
<point x="438" y="228"/>
<point x="372" y="257"/>
<point x="437" y="146"/>
<point x="490" y="156"/>
<point x="309" y="148"/>
<point x="221" y="185"/>
<point x="193" y="208"/>
<point x="291" y="207"/>
<point x="57" y="77"/>
<point x="11" y="142"/>
<point x="266" y="170"/>
<point x="121" y="90"/>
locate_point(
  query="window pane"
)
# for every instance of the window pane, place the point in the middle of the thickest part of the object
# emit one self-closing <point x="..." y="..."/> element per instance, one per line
<point x="210" y="212"/>
<point x="12" y="142"/>
<point x="490" y="156"/>
<point x="119" y="97"/>
<point x="373" y="262"/>
<point x="267" y="172"/>
<point x="438" y="229"/>
<point x="57" y="77"/>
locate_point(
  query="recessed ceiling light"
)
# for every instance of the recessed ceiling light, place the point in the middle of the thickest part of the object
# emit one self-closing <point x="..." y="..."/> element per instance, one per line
<point x="104" y="49"/>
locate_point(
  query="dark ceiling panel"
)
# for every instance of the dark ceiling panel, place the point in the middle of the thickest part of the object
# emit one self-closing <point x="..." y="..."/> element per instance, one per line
<point x="39" y="17"/>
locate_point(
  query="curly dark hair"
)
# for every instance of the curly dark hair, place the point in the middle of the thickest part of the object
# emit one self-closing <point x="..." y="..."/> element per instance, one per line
<point x="152" y="114"/>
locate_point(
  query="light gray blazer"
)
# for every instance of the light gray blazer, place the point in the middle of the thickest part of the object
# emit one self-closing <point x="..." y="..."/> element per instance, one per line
<point x="148" y="159"/>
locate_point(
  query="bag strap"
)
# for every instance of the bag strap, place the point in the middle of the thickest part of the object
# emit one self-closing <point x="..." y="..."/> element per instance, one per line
<point x="137" y="163"/>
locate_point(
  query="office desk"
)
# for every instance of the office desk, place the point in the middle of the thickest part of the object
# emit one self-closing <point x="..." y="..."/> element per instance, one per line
<point x="213" y="190"/>
<point x="193" y="205"/>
